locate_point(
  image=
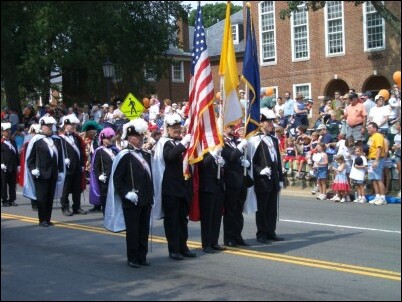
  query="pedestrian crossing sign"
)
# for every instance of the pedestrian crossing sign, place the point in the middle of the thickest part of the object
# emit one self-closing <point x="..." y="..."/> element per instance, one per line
<point x="131" y="107"/>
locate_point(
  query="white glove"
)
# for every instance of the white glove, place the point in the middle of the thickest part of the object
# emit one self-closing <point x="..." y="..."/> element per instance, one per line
<point x="266" y="171"/>
<point x="4" y="167"/>
<point x="18" y="169"/>
<point x="242" y="145"/>
<point x="35" y="172"/>
<point x="215" y="152"/>
<point x="103" y="178"/>
<point x="186" y="140"/>
<point x="281" y="185"/>
<point x="219" y="160"/>
<point x="67" y="161"/>
<point x="133" y="197"/>
<point x="245" y="163"/>
<point x="60" y="176"/>
<point x="82" y="169"/>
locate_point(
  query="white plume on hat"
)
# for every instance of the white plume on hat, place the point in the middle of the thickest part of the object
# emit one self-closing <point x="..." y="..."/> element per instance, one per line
<point x="5" y="126"/>
<point x="72" y="118"/>
<point x="171" y="119"/>
<point x="140" y="126"/>
<point x="35" y="128"/>
<point x="47" y="120"/>
<point x="269" y="114"/>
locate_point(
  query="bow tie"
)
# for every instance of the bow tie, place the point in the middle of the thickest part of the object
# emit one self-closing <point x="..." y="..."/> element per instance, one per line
<point x="137" y="150"/>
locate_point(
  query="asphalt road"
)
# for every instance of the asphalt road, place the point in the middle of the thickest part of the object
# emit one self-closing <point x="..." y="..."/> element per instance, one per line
<point x="332" y="251"/>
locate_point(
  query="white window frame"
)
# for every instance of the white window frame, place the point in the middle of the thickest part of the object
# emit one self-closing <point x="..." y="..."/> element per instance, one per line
<point x="147" y="75"/>
<point x="274" y="61"/>
<point x="235" y="33"/>
<point x="181" y="80"/>
<point x="292" y="27"/>
<point x="327" y="54"/>
<point x="366" y="49"/>
<point x="295" y="91"/>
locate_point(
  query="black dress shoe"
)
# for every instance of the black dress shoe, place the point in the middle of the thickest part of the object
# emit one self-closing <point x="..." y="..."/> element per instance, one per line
<point x="176" y="256"/>
<point x="209" y="250"/>
<point x="241" y="242"/>
<point x="95" y="209"/>
<point x="12" y="203"/>
<point x="50" y="223"/>
<point x="67" y="212"/>
<point x="133" y="264"/>
<point x="275" y="238"/>
<point x="6" y="204"/>
<point x="217" y="247"/>
<point x="230" y="243"/>
<point x="262" y="240"/>
<point x="80" y="211"/>
<point x="189" y="254"/>
<point x="144" y="263"/>
<point x="44" y="224"/>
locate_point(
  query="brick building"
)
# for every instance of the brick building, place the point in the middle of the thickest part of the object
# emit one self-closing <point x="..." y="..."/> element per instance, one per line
<point x="339" y="47"/>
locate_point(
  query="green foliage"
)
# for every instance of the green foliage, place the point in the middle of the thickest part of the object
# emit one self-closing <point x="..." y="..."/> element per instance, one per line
<point x="76" y="38"/>
<point x="213" y="13"/>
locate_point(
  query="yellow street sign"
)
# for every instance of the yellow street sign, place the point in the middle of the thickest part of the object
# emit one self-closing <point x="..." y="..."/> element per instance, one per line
<point x="131" y="107"/>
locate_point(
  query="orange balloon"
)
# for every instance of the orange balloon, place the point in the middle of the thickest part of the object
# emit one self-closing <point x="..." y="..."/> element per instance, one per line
<point x="397" y="78"/>
<point x="384" y="93"/>
<point x="269" y="91"/>
<point x="146" y="103"/>
<point x="218" y="95"/>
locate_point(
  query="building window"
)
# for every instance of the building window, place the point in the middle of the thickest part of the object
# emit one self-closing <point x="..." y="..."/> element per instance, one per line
<point x="300" y="35"/>
<point x="149" y="74"/>
<point x="305" y="89"/>
<point x="374" y="28"/>
<point x="235" y="33"/>
<point x="267" y="32"/>
<point x="177" y="71"/>
<point x="334" y="28"/>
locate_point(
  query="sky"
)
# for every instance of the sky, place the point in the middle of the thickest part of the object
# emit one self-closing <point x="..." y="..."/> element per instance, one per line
<point x="194" y="3"/>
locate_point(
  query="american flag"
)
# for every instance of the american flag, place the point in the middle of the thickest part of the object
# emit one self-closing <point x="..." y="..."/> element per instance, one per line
<point x="203" y="126"/>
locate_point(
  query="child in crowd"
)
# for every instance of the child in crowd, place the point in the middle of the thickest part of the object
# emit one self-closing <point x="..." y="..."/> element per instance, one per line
<point x="313" y="149"/>
<point x="340" y="185"/>
<point x="301" y="160"/>
<point x="291" y="154"/>
<point x="358" y="173"/>
<point x="321" y="167"/>
<point x="280" y="134"/>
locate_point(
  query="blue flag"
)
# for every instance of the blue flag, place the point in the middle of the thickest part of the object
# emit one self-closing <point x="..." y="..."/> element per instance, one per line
<point x="251" y="77"/>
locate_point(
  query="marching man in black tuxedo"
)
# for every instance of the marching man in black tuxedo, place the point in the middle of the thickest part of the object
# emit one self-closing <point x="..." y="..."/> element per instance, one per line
<point x="172" y="188"/>
<point x="130" y="194"/>
<point x="235" y="186"/>
<point x="9" y="164"/>
<point x="44" y="169"/>
<point x="75" y="162"/>
<point x="266" y="171"/>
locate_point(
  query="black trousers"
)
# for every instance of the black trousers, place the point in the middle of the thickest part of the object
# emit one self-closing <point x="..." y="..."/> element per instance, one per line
<point x="233" y="220"/>
<point x="8" y="179"/>
<point x="72" y="184"/>
<point x="103" y="187"/>
<point x="175" y="222"/>
<point x="266" y="214"/>
<point x="211" y="206"/>
<point x="45" y="190"/>
<point x="137" y="232"/>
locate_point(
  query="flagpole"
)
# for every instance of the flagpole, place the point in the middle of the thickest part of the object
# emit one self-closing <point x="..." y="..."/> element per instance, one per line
<point x="221" y="121"/>
<point x="245" y="121"/>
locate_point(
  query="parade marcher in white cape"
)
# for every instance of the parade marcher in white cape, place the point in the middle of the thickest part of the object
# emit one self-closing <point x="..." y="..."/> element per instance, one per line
<point x="172" y="191"/>
<point x="263" y="197"/>
<point x="10" y="165"/>
<point x="75" y="161"/>
<point x="235" y="187"/>
<point x="130" y="194"/>
<point x="101" y="167"/>
<point x="44" y="170"/>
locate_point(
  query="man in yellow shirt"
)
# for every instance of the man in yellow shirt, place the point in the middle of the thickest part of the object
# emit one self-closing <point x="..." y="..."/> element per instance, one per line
<point x="376" y="163"/>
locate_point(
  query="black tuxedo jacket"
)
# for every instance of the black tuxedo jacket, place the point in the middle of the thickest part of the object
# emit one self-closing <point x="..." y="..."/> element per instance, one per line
<point x="9" y="157"/>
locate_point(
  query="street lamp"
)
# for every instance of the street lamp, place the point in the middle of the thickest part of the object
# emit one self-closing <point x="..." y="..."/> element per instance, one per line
<point x="108" y="73"/>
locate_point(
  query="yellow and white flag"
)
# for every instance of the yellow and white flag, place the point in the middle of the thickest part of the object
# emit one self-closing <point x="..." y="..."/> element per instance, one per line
<point x="232" y="110"/>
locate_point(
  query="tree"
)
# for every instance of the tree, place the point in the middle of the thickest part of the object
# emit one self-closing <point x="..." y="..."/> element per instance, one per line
<point x="76" y="38"/>
<point x="381" y="8"/>
<point x="213" y="13"/>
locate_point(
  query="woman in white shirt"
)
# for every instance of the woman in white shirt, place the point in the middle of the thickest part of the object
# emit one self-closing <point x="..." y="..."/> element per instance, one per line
<point x="380" y="114"/>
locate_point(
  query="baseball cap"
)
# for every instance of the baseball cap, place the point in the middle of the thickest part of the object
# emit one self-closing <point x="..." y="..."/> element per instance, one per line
<point x="321" y="127"/>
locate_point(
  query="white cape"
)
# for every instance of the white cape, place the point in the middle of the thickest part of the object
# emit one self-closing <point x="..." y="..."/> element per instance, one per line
<point x="158" y="169"/>
<point x="114" y="217"/>
<point x="250" y="205"/>
<point x="29" y="190"/>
